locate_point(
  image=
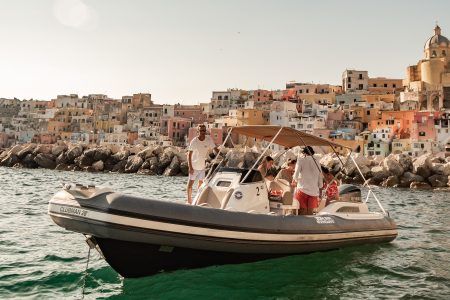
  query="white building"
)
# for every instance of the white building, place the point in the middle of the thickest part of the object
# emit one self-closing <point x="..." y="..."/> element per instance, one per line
<point x="281" y="112"/>
<point x="354" y="81"/>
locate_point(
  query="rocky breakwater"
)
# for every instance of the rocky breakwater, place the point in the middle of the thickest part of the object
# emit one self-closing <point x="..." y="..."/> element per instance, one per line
<point x="395" y="170"/>
<point x="152" y="160"/>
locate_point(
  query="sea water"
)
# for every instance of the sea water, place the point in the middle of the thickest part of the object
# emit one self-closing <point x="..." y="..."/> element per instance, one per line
<point x="39" y="259"/>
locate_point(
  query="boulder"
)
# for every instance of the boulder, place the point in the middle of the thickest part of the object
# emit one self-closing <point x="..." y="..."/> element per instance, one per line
<point x="58" y="149"/>
<point x="119" y="167"/>
<point x="437" y="160"/>
<point x="250" y="159"/>
<point x="15" y="149"/>
<point x="393" y="166"/>
<point x="422" y="166"/>
<point x="377" y="160"/>
<point x="73" y="152"/>
<point x="360" y="160"/>
<point x="108" y="164"/>
<point x="10" y="160"/>
<point x="440" y="168"/>
<point x="390" y="181"/>
<point x="122" y="155"/>
<point x="329" y="161"/>
<point x="184" y="168"/>
<point x="85" y="160"/>
<point x="165" y="158"/>
<point x="28" y="162"/>
<point x="45" y="149"/>
<point x="438" y="180"/>
<point x="408" y="177"/>
<point x="133" y="164"/>
<point x="145" y="165"/>
<point x="62" y="158"/>
<point x="46" y="161"/>
<point x="26" y="150"/>
<point x="147" y="152"/>
<point x="145" y="172"/>
<point x="234" y="158"/>
<point x="405" y="161"/>
<point x="420" y="186"/>
<point x="63" y="167"/>
<point x="365" y="171"/>
<point x="379" y="173"/>
<point x="98" y="166"/>
<point x="155" y="166"/>
<point x="174" y="167"/>
<point x="101" y="154"/>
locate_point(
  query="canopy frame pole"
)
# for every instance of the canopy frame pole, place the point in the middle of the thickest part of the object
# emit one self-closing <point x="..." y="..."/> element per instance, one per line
<point x="370" y="189"/>
<point x="262" y="154"/>
<point x="218" y="152"/>
<point x="342" y="163"/>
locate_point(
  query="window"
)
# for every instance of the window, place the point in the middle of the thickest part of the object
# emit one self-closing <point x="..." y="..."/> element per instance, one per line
<point x="422" y="133"/>
<point x="360" y="76"/>
<point x="349" y="86"/>
<point x="377" y="153"/>
<point x="374" y="85"/>
<point x="394" y="85"/>
<point x="360" y="86"/>
<point x="219" y="98"/>
<point x="433" y="54"/>
<point x="385" y="85"/>
<point x="368" y="112"/>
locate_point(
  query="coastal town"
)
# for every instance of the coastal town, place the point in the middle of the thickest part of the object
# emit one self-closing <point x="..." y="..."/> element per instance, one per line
<point x="380" y="115"/>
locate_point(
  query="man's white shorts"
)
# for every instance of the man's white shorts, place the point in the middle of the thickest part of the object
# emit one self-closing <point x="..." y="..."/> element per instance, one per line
<point x="197" y="175"/>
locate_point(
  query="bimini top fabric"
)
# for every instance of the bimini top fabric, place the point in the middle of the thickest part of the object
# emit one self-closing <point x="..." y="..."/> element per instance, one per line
<point x="288" y="137"/>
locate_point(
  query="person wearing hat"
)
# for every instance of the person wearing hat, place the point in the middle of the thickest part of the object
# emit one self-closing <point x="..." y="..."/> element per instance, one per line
<point x="308" y="181"/>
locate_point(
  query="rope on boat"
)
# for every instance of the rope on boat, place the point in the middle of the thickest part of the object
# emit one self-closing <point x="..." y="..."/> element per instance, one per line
<point x="91" y="245"/>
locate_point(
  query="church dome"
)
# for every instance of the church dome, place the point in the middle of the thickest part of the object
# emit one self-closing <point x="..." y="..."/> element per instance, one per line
<point x="437" y="40"/>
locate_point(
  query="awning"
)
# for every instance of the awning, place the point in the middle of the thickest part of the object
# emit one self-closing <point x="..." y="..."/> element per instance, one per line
<point x="288" y="137"/>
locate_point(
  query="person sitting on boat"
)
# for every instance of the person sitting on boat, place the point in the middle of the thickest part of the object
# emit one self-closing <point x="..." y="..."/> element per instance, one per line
<point x="287" y="172"/>
<point x="265" y="166"/>
<point x="330" y="186"/>
<point x="308" y="180"/>
<point x="197" y="155"/>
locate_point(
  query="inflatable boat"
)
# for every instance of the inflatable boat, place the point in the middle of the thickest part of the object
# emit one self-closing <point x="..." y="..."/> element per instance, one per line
<point x="234" y="219"/>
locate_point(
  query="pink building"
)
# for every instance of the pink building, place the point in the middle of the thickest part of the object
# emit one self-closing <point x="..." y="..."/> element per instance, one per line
<point x="193" y="112"/>
<point x="422" y="128"/>
<point x="216" y="134"/>
<point x="131" y="137"/>
<point x="177" y="129"/>
<point x="44" y="138"/>
<point x="261" y="95"/>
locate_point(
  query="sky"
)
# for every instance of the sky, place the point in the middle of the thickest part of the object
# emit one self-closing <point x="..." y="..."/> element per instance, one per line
<point x="181" y="51"/>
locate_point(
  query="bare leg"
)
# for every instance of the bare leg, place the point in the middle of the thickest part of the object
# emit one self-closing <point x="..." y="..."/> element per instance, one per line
<point x="310" y="211"/>
<point x="189" y="191"/>
<point x="200" y="182"/>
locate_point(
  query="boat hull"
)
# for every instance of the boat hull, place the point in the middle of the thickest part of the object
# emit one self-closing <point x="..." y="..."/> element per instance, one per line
<point x="158" y="236"/>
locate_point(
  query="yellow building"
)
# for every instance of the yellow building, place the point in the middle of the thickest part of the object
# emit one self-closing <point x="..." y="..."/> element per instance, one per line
<point x="431" y="75"/>
<point x="251" y="116"/>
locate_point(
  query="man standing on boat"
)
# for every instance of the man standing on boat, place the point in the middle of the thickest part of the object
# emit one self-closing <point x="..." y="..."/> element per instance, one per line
<point x="197" y="155"/>
<point x="308" y="180"/>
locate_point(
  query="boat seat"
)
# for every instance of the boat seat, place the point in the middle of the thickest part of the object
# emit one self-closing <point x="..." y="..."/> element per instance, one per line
<point x="287" y="195"/>
<point x="209" y="196"/>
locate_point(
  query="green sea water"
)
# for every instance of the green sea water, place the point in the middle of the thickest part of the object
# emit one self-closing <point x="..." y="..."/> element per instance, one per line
<point x="39" y="260"/>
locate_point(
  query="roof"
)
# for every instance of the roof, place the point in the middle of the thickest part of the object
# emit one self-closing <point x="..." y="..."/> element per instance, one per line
<point x="437" y="39"/>
<point x="288" y="137"/>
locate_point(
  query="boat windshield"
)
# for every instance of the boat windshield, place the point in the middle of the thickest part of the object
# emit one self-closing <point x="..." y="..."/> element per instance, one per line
<point x="254" y="176"/>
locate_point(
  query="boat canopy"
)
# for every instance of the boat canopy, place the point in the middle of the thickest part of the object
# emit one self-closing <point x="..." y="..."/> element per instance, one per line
<point x="287" y="137"/>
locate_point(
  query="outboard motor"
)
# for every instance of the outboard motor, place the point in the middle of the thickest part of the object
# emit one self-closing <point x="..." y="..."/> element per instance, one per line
<point x="349" y="193"/>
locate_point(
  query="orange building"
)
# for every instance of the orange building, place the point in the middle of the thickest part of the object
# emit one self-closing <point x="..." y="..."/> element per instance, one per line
<point x="399" y="121"/>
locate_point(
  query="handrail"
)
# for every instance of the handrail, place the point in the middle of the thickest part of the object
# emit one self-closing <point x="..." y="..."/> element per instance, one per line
<point x="262" y="154"/>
